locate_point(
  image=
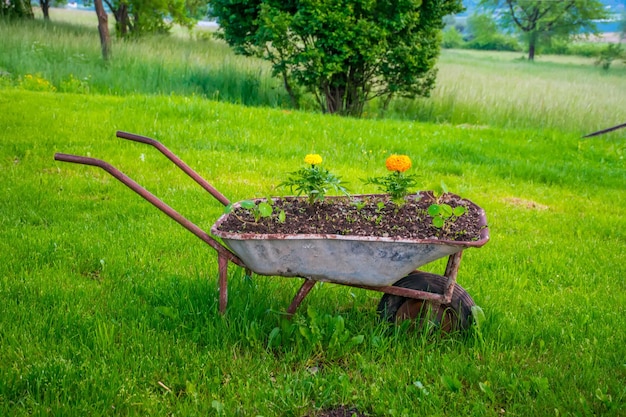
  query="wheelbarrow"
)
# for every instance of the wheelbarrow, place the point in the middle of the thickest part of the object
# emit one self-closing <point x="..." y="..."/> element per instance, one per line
<point x="385" y="264"/>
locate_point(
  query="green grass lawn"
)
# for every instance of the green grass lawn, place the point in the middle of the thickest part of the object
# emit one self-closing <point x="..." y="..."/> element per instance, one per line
<point x="108" y="307"/>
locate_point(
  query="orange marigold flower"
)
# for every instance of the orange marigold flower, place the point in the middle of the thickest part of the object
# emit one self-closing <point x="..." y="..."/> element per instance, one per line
<point x="399" y="163"/>
<point x="313" y="159"/>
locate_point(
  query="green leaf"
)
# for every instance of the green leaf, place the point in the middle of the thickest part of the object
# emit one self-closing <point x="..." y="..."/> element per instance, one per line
<point x="444" y="188"/>
<point x="247" y="204"/>
<point x="281" y="216"/>
<point x="438" y="222"/>
<point x="228" y="208"/>
<point x="459" y="211"/>
<point x="434" y="210"/>
<point x="451" y="382"/>
<point x="265" y="209"/>
<point x="274" y="337"/>
<point x="356" y="340"/>
<point x="217" y="406"/>
<point x="446" y="211"/>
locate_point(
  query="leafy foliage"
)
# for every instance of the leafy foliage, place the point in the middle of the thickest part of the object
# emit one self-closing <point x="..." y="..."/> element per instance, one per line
<point x="16" y="9"/>
<point x="484" y="34"/>
<point x="396" y="184"/>
<point x="258" y="209"/>
<point x="540" y="20"/>
<point x="443" y="214"/>
<point x="610" y="53"/>
<point x="324" y="333"/>
<point x="315" y="182"/>
<point x="138" y="17"/>
<point x="345" y="52"/>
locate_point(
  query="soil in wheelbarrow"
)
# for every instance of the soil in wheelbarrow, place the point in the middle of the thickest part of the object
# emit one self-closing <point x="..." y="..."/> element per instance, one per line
<point x="374" y="215"/>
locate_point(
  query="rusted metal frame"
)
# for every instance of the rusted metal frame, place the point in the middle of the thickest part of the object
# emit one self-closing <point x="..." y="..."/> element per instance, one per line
<point x="304" y="290"/>
<point x="452" y="269"/>
<point x="308" y="285"/>
<point x="151" y="198"/>
<point x="402" y="292"/>
<point x="178" y="162"/>
<point x="222" y="263"/>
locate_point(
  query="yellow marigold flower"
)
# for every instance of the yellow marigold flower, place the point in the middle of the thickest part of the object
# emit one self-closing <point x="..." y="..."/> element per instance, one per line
<point x="399" y="163"/>
<point x="313" y="159"/>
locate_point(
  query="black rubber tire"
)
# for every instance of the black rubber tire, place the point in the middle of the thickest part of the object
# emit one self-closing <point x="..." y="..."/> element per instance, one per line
<point x="452" y="317"/>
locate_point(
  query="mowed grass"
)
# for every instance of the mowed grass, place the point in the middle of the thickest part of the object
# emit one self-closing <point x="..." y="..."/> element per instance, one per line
<point x="108" y="307"/>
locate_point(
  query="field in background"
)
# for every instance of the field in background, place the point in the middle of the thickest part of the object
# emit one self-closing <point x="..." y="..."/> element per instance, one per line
<point x="477" y="88"/>
<point x="107" y="307"/>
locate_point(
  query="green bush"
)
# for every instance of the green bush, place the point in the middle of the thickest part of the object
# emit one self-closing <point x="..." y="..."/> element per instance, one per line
<point x="610" y="53"/>
<point x="567" y="47"/>
<point x="483" y="34"/>
<point x="496" y="42"/>
<point x="452" y="38"/>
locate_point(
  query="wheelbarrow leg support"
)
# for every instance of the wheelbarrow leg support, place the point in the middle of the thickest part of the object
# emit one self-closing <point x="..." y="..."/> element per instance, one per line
<point x="222" y="263"/>
<point x="304" y="290"/>
<point x="452" y="269"/>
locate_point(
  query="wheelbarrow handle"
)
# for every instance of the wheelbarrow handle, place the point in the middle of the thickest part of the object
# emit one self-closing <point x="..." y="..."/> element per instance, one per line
<point x="177" y="161"/>
<point x="151" y="198"/>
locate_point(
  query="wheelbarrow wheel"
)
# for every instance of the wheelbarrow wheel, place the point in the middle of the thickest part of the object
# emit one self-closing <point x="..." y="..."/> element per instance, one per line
<point x="452" y="317"/>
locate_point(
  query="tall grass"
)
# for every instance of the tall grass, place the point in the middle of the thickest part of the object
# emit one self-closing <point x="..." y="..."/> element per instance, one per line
<point x="500" y="89"/>
<point x="156" y="65"/>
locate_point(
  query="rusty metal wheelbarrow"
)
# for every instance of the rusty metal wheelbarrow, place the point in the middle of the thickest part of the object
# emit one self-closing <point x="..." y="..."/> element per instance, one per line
<point x="383" y="264"/>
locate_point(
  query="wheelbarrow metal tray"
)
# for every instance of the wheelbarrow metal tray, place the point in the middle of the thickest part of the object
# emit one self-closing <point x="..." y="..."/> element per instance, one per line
<point x="354" y="260"/>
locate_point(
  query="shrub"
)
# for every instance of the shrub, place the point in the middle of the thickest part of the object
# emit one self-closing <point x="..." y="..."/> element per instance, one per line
<point x="452" y="38"/>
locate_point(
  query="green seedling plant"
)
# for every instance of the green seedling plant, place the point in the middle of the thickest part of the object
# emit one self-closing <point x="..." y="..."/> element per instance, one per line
<point x="396" y="184"/>
<point x="358" y="204"/>
<point x="443" y="214"/>
<point x="259" y="210"/>
<point x="314" y="181"/>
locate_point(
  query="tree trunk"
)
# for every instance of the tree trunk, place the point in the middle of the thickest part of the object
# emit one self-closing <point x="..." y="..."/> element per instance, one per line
<point x="532" y="44"/>
<point x="292" y="95"/>
<point x="122" y="20"/>
<point x="103" y="28"/>
<point x="45" y="8"/>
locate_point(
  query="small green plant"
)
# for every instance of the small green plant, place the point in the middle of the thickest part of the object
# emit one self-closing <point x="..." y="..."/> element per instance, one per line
<point x="397" y="183"/>
<point x="444" y="214"/>
<point x="261" y="209"/>
<point x="358" y="204"/>
<point x="325" y="334"/>
<point x="313" y="180"/>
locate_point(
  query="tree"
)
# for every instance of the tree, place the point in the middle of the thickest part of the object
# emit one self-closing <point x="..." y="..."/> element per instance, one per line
<point x="137" y="17"/>
<point x="345" y="52"/>
<point x="45" y="6"/>
<point x="16" y="9"/>
<point x="538" y="20"/>
<point x="484" y="34"/>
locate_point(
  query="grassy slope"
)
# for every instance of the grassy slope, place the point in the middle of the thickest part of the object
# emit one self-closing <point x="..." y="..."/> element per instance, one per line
<point x="102" y="298"/>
